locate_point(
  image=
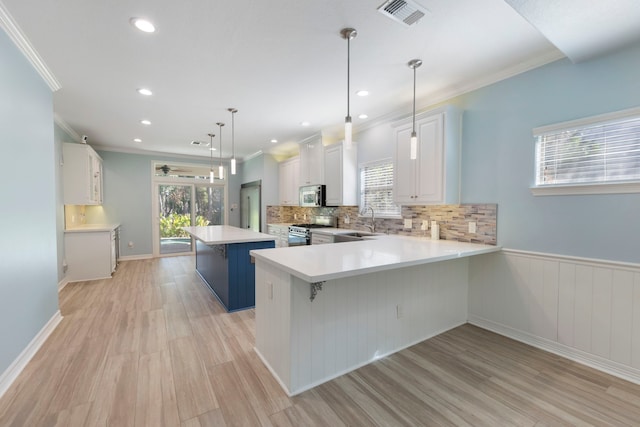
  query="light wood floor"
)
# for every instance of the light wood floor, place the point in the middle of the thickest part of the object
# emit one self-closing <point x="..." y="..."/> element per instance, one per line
<point x="152" y="347"/>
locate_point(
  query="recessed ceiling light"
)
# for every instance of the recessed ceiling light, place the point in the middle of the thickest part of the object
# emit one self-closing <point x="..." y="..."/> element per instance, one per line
<point x="305" y="123"/>
<point x="144" y="91"/>
<point x="137" y="140"/>
<point x="145" y="122"/>
<point x="363" y="116"/>
<point x="212" y="149"/>
<point x="362" y="93"/>
<point x="142" y="25"/>
<point x="274" y="141"/>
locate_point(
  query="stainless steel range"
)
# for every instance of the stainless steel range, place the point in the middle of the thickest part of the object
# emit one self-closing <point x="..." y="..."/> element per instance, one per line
<point x="300" y="234"/>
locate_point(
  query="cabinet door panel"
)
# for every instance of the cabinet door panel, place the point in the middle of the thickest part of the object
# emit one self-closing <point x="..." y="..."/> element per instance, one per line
<point x="430" y="157"/>
<point x="333" y="177"/>
<point x="404" y="183"/>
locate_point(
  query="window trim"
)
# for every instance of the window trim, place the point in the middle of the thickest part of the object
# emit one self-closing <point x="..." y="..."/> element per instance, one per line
<point x="620" y="187"/>
<point x="360" y="208"/>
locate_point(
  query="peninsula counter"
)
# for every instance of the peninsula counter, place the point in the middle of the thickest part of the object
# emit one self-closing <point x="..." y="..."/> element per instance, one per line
<point x="325" y="310"/>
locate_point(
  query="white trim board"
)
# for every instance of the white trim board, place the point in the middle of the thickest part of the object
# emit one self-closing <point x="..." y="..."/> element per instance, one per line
<point x="11" y="373"/>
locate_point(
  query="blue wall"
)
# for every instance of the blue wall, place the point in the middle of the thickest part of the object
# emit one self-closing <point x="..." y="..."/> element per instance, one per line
<point x="28" y="272"/>
<point x="498" y="157"/>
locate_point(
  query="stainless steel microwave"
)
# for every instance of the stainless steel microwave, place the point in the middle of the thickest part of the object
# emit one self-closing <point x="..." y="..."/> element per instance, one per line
<point x="312" y="196"/>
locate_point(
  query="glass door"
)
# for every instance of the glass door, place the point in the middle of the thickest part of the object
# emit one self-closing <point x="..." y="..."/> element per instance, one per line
<point x="174" y="204"/>
<point x="209" y="207"/>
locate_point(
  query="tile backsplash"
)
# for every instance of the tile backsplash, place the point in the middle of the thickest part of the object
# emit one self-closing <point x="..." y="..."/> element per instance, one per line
<point x="452" y="219"/>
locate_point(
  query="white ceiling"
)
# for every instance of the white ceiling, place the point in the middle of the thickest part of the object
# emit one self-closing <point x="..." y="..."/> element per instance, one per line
<point x="278" y="62"/>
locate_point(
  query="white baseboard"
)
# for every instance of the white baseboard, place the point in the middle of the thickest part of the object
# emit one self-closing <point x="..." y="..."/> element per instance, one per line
<point x="600" y="363"/>
<point x="11" y="373"/>
<point x="135" y="257"/>
<point x="61" y="284"/>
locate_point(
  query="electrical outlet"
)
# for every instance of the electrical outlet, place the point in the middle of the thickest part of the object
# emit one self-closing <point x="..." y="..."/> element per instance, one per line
<point x="295" y="216"/>
<point x="472" y="227"/>
<point x="425" y="225"/>
<point x="408" y="223"/>
<point x="130" y="244"/>
<point x="347" y="220"/>
<point x="398" y="311"/>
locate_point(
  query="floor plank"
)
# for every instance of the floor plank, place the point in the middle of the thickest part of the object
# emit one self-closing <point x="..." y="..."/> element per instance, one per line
<point x="153" y="347"/>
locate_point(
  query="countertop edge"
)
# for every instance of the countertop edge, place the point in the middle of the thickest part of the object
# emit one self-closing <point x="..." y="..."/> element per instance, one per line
<point x="88" y="228"/>
<point x="373" y="269"/>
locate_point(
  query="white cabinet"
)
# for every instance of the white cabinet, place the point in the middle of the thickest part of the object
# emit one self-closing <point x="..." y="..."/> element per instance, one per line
<point x="91" y="255"/>
<point x="341" y="175"/>
<point x="321" y="238"/>
<point x="434" y="176"/>
<point x="289" y="184"/>
<point x="281" y="232"/>
<point x="82" y="175"/>
<point x="312" y="161"/>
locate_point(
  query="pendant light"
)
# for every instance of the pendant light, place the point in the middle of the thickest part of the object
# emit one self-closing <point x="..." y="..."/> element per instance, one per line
<point x="220" y="168"/>
<point x="233" y="111"/>
<point x="348" y="33"/>
<point x="414" y="63"/>
<point x="211" y="156"/>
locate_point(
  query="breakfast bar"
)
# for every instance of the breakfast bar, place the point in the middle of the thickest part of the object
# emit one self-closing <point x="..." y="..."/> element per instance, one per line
<point x="224" y="264"/>
<point x="324" y="310"/>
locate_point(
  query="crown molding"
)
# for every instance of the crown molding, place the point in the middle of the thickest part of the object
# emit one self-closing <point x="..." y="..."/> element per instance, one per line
<point x="65" y="127"/>
<point x="10" y="26"/>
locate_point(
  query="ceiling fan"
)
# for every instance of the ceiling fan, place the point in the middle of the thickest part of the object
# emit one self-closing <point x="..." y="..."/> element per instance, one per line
<point x="166" y="169"/>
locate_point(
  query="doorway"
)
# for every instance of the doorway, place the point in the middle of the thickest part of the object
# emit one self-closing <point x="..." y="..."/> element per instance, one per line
<point x="183" y="197"/>
<point x="250" y="206"/>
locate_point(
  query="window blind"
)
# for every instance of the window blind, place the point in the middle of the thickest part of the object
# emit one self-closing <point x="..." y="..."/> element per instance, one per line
<point x="593" y="153"/>
<point x="376" y="188"/>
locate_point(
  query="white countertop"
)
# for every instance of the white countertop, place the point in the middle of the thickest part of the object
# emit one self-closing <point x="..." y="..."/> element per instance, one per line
<point x="315" y="263"/>
<point x="223" y="234"/>
<point x="85" y="228"/>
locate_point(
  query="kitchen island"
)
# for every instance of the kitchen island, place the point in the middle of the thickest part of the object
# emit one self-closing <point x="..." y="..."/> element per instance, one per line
<point x="224" y="263"/>
<point x="324" y="310"/>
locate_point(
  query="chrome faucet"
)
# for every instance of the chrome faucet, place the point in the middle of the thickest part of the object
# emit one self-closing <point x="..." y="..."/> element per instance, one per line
<point x="372" y="226"/>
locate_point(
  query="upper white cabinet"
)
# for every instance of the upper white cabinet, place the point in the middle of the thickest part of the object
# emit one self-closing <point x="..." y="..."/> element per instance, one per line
<point x="312" y="161"/>
<point x="289" y="181"/>
<point x="341" y="175"/>
<point x="434" y="176"/>
<point x="82" y="175"/>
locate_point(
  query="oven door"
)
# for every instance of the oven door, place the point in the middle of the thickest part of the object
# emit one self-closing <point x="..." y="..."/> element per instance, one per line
<point x="297" y="239"/>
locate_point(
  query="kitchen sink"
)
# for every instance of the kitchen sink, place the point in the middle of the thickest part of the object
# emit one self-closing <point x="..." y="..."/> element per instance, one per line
<point x="353" y="236"/>
<point x="358" y="234"/>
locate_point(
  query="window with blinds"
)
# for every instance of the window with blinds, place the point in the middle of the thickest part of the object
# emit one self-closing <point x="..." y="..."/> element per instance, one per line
<point x="598" y="150"/>
<point x="376" y="188"/>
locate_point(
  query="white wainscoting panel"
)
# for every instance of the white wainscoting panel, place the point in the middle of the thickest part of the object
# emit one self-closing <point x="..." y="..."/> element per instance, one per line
<point x="587" y="310"/>
<point x="353" y="321"/>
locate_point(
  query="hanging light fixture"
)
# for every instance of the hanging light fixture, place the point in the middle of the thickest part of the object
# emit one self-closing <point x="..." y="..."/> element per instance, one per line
<point x="220" y="168"/>
<point x="348" y="33"/>
<point x="211" y="156"/>
<point x="233" y="111"/>
<point x="414" y="63"/>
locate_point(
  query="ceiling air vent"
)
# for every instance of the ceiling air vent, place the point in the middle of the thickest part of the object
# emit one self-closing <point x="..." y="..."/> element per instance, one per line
<point x="404" y="11"/>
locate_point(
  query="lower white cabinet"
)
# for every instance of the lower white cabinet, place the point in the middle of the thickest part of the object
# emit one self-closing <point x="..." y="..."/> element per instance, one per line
<point x="281" y="232"/>
<point x="91" y="255"/>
